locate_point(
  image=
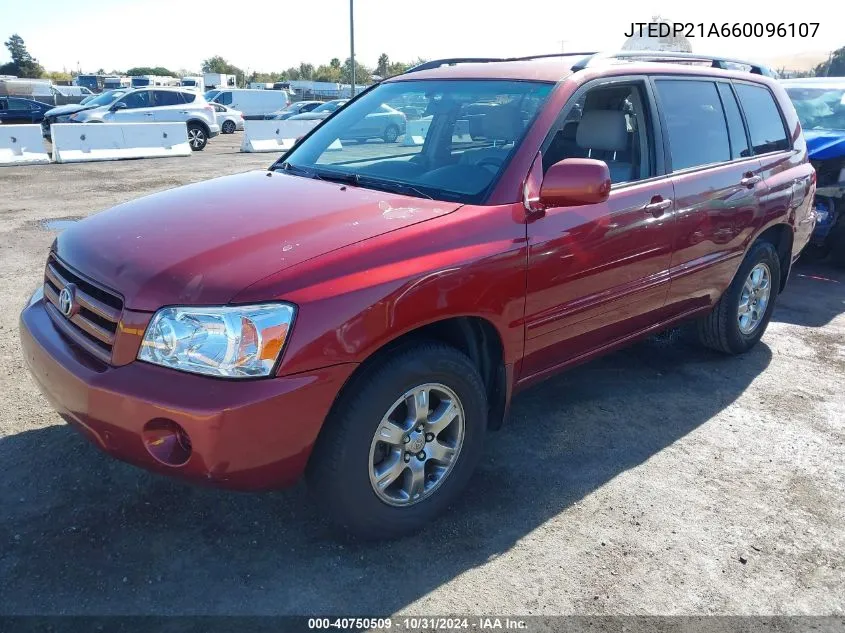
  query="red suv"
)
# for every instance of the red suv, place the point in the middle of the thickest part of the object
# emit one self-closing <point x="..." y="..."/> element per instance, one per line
<point x="363" y="313"/>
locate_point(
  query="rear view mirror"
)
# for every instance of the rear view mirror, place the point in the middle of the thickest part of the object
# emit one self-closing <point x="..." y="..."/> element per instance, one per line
<point x="575" y="181"/>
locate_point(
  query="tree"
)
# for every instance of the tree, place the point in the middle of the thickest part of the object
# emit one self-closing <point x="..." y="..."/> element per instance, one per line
<point x="363" y="75"/>
<point x="217" y="64"/>
<point x="147" y="70"/>
<point x="23" y="64"/>
<point x="383" y="65"/>
<point x="55" y="76"/>
<point x="834" y="66"/>
<point x="335" y="63"/>
<point x="306" y="71"/>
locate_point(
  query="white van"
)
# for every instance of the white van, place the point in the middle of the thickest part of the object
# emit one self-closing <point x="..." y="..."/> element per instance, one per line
<point x="253" y="103"/>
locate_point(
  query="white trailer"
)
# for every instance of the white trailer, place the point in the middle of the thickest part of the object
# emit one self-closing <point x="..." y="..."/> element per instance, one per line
<point x="219" y="81"/>
<point x="193" y="82"/>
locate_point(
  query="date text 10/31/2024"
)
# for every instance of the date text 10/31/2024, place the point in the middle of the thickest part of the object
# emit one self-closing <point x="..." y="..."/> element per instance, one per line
<point x="723" y="30"/>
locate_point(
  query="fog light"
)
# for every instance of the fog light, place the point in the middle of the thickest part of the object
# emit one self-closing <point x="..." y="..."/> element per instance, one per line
<point x="167" y="442"/>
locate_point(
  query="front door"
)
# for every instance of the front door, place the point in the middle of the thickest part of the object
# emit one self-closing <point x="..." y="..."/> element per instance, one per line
<point x="598" y="274"/>
<point x="139" y="109"/>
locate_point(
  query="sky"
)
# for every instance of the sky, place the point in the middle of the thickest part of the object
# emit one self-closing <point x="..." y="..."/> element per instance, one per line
<point x="272" y="36"/>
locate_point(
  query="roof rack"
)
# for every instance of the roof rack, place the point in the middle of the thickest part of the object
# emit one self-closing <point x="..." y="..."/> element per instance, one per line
<point x="437" y="63"/>
<point x="671" y="56"/>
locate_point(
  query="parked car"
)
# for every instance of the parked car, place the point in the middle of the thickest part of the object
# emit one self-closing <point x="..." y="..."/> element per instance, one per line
<point x="300" y="107"/>
<point x="385" y="122"/>
<point x="366" y="317"/>
<point x="61" y="114"/>
<point x="254" y="104"/>
<point x="229" y="119"/>
<point x="18" y="110"/>
<point x="159" y="104"/>
<point x="820" y="103"/>
<point x="322" y="111"/>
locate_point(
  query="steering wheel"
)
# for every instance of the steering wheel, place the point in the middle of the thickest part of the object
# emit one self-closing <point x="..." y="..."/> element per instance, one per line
<point x="491" y="162"/>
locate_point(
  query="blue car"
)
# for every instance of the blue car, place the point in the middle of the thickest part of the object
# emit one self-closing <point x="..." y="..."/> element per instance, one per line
<point x="19" y="110"/>
<point x="820" y="104"/>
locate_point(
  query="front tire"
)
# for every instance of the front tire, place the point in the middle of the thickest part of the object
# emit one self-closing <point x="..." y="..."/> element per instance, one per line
<point x="740" y="317"/>
<point x="197" y="137"/>
<point x="401" y="442"/>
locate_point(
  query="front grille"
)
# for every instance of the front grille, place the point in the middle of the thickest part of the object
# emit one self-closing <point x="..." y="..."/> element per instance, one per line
<point x="94" y="324"/>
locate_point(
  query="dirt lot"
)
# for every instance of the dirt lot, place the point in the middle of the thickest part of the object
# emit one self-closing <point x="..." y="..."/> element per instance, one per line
<point x="659" y="480"/>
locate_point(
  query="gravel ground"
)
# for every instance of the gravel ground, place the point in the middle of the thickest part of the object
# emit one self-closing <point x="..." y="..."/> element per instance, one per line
<point x="658" y="480"/>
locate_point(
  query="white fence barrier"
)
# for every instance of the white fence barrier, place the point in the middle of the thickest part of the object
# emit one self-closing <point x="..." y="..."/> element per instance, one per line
<point x="22" y="145"/>
<point x="416" y="131"/>
<point x="82" y="142"/>
<point x="274" y="136"/>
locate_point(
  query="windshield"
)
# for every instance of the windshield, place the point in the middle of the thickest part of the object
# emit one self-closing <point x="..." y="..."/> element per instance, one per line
<point x="104" y="99"/>
<point x="140" y="81"/>
<point x="189" y="82"/>
<point x="209" y="95"/>
<point x="454" y="149"/>
<point x="819" y="107"/>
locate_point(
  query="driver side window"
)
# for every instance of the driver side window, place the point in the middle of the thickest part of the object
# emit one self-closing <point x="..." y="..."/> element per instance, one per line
<point x="609" y="123"/>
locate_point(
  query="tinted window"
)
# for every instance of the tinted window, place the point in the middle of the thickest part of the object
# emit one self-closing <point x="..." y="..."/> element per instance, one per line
<point x="695" y="122"/>
<point x="219" y="108"/>
<point x="739" y="142"/>
<point x="167" y="98"/>
<point x="225" y="98"/>
<point x="188" y="96"/>
<point x="19" y="104"/>
<point x="137" y="99"/>
<point x="763" y="116"/>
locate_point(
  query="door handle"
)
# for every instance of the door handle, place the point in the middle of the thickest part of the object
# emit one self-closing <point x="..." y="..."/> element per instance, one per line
<point x="749" y="180"/>
<point x="658" y="207"/>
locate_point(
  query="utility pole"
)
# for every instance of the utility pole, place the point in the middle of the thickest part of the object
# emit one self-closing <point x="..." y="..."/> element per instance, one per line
<point x="352" y="41"/>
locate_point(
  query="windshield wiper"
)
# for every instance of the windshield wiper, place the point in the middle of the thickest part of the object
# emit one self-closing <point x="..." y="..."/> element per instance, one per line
<point x="398" y="187"/>
<point x="338" y="176"/>
<point x="297" y="170"/>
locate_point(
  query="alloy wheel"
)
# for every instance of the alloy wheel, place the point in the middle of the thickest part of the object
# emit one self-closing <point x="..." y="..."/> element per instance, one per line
<point x="416" y="444"/>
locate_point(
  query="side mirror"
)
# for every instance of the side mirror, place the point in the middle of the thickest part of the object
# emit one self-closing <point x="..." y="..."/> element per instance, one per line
<point x="575" y="181"/>
<point x="120" y="105"/>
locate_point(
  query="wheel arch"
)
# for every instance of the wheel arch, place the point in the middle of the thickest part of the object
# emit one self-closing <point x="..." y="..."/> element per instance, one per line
<point x="200" y="123"/>
<point x="474" y="336"/>
<point x="781" y="236"/>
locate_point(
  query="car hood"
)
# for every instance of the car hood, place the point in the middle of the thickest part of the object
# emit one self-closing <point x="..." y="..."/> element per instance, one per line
<point x="67" y="109"/>
<point x="203" y="243"/>
<point x="825" y="144"/>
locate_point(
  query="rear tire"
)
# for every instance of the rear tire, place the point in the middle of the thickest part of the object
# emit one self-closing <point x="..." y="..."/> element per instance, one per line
<point x="228" y="127"/>
<point x="351" y="462"/>
<point x="197" y="137"/>
<point x="725" y="329"/>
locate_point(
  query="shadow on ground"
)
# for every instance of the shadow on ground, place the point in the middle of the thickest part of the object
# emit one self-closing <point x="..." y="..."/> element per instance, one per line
<point x="814" y="296"/>
<point x="81" y="533"/>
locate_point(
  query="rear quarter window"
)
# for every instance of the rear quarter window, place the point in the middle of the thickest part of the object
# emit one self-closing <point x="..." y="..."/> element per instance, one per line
<point x="189" y="97"/>
<point x="765" y="124"/>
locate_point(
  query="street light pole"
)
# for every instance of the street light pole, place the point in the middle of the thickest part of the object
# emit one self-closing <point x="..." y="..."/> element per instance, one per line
<point x="352" y="41"/>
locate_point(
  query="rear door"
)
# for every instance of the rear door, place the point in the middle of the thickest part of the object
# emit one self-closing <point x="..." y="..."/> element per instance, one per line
<point x="598" y="274"/>
<point x="169" y="106"/>
<point x="718" y="184"/>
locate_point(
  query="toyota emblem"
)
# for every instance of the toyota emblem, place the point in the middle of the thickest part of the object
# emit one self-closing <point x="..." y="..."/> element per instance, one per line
<point x="67" y="300"/>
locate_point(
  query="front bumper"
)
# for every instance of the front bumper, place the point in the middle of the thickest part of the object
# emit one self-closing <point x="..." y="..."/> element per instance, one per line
<point x="247" y="434"/>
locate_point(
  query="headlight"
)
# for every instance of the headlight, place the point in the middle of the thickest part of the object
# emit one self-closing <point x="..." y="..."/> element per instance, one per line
<point x="230" y="342"/>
